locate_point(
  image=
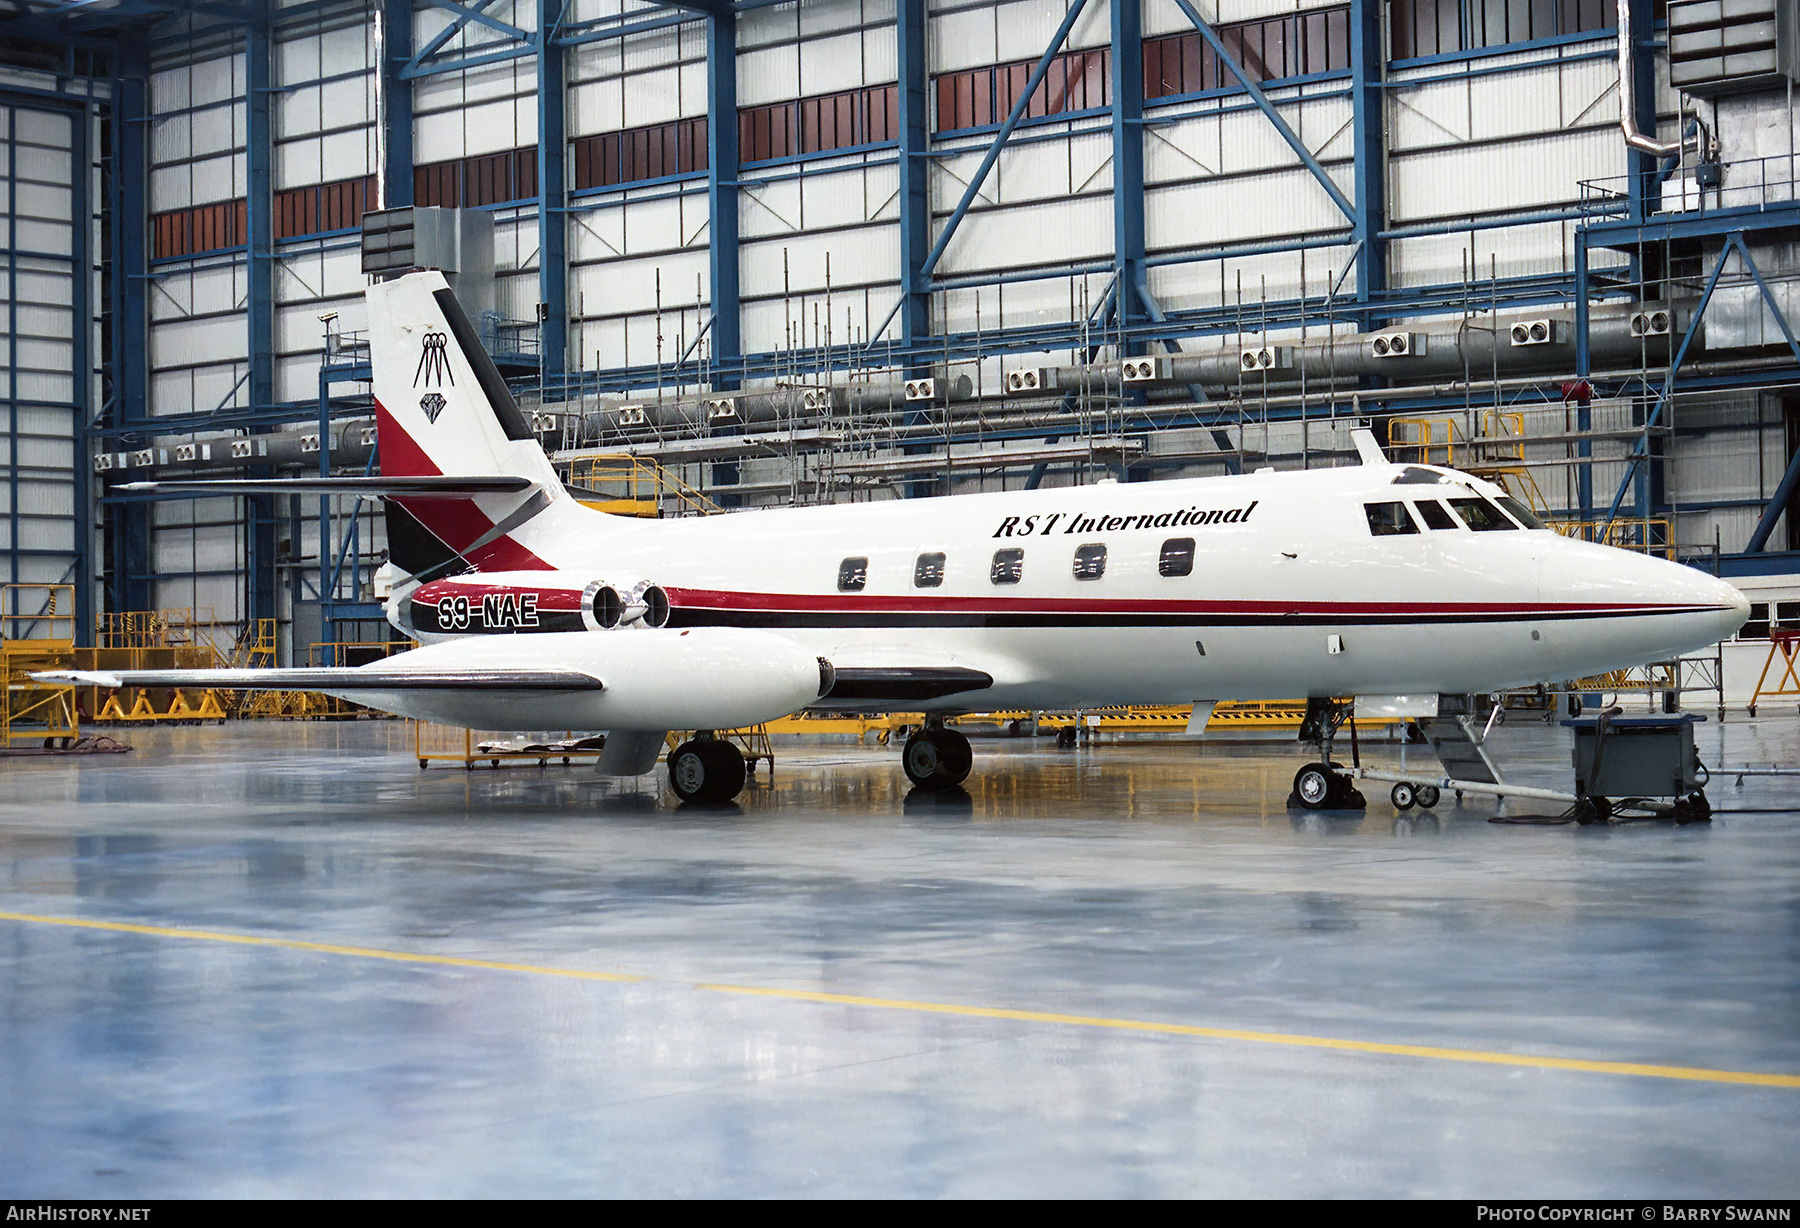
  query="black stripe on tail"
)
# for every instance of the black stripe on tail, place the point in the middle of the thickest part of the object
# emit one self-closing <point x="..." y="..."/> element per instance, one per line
<point x="486" y="373"/>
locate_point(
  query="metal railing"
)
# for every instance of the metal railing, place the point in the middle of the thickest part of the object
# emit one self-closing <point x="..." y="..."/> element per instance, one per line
<point x="1748" y="183"/>
<point x="634" y="486"/>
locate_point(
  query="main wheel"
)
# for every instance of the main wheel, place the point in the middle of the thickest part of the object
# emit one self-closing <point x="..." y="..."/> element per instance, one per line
<point x="1315" y="785"/>
<point x="937" y="759"/>
<point x="706" y="772"/>
<point x="1402" y="795"/>
<point x="1426" y="796"/>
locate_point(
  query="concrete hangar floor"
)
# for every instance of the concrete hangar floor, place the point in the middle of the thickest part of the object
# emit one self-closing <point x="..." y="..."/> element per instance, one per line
<point x="279" y="959"/>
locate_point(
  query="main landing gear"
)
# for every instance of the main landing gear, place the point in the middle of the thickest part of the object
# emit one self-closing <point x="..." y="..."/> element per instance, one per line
<point x="936" y="758"/>
<point x="1325" y="785"/>
<point x="706" y="771"/>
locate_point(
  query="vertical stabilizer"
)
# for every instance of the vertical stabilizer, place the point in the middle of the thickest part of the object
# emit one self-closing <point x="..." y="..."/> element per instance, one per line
<point x="442" y="408"/>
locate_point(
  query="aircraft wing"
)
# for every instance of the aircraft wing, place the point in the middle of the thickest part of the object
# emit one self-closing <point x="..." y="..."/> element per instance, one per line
<point x="337" y="680"/>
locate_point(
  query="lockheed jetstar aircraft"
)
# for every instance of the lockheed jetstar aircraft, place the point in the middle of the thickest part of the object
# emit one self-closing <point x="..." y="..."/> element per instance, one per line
<point x="1391" y="583"/>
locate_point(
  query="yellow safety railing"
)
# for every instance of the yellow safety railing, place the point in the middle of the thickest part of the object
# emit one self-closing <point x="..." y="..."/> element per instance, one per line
<point x="634" y="486"/>
<point x="37" y="632"/>
<point x="1441" y="440"/>
<point x="42" y="613"/>
<point x="1655" y="535"/>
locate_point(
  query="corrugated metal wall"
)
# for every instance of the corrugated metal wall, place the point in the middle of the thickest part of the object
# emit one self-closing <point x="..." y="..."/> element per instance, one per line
<point x="46" y="377"/>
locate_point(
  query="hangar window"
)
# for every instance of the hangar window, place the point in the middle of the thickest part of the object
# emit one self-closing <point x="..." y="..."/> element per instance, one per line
<point x="1481" y="515"/>
<point x="1177" y="557"/>
<point x="928" y="572"/>
<point x="853" y="575"/>
<point x="1521" y="513"/>
<point x="1009" y="566"/>
<point x="1757" y="626"/>
<point x="1435" y="515"/>
<point x="1090" y="561"/>
<point x="1389" y="519"/>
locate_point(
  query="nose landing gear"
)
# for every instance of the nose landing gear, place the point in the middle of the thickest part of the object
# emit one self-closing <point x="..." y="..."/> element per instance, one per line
<point x="1325" y="785"/>
<point x="937" y="758"/>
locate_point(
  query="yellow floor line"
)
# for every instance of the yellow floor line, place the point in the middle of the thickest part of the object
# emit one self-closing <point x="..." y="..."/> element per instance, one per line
<point x="295" y="944"/>
<point x="1698" y="1074"/>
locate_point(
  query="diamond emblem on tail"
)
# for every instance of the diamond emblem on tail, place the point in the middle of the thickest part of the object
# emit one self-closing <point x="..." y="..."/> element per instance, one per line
<point x="433" y="404"/>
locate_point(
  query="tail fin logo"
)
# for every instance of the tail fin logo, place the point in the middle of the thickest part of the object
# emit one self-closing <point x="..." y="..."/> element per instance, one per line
<point x="433" y="404"/>
<point x="434" y="364"/>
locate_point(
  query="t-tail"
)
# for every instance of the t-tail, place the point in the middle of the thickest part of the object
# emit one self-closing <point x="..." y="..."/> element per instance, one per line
<point x="444" y="413"/>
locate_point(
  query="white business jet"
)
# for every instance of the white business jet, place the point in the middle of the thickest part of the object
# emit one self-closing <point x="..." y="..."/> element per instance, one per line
<point x="1391" y="583"/>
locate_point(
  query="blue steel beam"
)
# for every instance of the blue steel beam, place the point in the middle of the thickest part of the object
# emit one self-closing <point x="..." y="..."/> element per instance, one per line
<point x="1128" y="163"/>
<point x="397" y="101"/>
<point x="993" y="152"/>
<point x="721" y="191"/>
<point x="259" y="305"/>
<point x="552" y="160"/>
<point x="81" y="373"/>
<point x="465" y="14"/>
<point x="1778" y="503"/>
<point x="1254" y="89"/>
<point x="1645" y="186"/>
<point x="1640" y="450"/>
<point x="128" y="529"/>
<point x="915" y="169"/>
<point x="1367" y="110"/>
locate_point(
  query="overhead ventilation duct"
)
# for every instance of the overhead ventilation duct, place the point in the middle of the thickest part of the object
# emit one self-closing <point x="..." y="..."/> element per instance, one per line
<point x="1732" y="46"/>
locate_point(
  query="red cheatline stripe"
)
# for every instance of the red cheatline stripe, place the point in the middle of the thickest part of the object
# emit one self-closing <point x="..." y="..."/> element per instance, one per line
<point x="710" y="599"/>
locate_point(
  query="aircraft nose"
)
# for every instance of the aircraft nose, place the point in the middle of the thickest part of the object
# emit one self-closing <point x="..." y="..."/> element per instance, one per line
<point x="1732" y="607"/>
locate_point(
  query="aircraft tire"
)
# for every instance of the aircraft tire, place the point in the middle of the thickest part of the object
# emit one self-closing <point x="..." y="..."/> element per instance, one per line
<point x="1315" y="786"/>
<point x="937" y="759"/>
<point x="706" y="773"/>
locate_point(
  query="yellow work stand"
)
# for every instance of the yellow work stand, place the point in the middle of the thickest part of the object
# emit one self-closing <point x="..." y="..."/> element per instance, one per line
<point x="1787" y="684"/>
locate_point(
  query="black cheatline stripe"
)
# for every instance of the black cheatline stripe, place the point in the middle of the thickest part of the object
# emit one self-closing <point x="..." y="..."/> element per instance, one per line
<point x="690" y="616"/>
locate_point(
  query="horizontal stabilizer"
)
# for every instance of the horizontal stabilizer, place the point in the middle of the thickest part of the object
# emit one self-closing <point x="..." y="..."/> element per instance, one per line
<point x="433" y="487"/>
<point x="339" y="680"/>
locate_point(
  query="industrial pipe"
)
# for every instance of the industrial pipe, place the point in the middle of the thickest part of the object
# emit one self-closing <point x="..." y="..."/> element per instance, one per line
<point x="1628" y="99"/>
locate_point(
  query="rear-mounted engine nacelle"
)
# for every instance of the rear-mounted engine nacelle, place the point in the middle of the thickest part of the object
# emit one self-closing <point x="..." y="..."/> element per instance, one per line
<point x="606" y="606"/>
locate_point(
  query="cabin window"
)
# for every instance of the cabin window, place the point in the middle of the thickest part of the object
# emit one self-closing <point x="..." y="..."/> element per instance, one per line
<point x="1481" y="515"/>
<point x="1177" y="557"/>
<point x="1389" y="519"/>
<point x="1090" y="561"/>
<point x="928" y="572"/>
<point x="1521" y="513"/>
<point x="853" y="575"/>
<point x="1009" y="566"/>
<point x="1435" y="515"/>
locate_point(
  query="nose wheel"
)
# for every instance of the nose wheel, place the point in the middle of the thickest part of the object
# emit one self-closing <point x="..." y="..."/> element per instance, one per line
<point x="1320" y="786"/>
<point x="706" y="771"/>
<point x="936" y="758"/>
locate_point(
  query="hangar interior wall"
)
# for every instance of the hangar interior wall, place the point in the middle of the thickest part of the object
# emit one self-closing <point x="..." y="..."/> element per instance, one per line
<point x="1491" y="141"/>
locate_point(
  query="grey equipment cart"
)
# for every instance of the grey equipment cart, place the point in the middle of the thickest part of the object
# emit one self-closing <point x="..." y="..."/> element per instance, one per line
<point x="1637" y="757"/>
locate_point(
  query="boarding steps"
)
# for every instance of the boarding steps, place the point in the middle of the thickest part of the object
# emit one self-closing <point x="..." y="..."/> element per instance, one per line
<point x="1457" y="739"/>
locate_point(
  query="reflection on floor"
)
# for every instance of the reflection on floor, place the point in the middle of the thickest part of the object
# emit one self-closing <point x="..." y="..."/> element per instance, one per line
<point x="1160" y="883"/>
